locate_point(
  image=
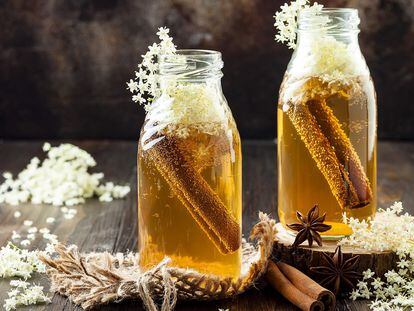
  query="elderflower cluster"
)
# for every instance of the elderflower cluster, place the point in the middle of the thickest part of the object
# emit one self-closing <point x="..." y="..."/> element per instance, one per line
<point x="395" y="291"/>
<point x="24" y="294"/>
<point x="16" y="262"/>
<point x="389" y="230"/>
<point x="286" y="20"/>
<point x="185" y="107"/>
<point x="329" y="59"/>
<point x="22" y="264"/>
<point x="145" y="85"/>
<point x="61" y="179"/>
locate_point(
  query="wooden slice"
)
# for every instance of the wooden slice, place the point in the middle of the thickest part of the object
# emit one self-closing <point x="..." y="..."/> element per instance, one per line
<point x="304" y="257"/>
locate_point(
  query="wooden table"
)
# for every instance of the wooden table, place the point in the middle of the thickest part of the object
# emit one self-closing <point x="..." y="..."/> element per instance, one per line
<point x="113" y="226"/>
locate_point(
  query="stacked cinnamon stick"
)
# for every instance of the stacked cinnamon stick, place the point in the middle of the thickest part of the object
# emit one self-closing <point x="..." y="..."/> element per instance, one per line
<point x="298" y="288"/>
<point x="332" y="151"/>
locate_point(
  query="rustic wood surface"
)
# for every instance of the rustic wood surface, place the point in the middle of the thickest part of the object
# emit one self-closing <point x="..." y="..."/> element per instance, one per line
<point x="113" y="227"/>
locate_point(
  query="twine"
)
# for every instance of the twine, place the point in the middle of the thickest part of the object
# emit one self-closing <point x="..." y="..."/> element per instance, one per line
<point x="94" y="279"/>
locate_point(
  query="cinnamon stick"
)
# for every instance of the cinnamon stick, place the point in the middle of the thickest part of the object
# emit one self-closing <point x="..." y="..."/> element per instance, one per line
<point x="308" y="286"/>
<point x="323" y="153"/>
<point x="344" y="150"/>
<point x="285" y="287"/>
<point x="204" y="205"/>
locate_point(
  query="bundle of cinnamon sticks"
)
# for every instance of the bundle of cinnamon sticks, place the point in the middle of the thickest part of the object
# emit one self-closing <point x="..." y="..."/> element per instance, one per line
<point x="298" y="288"/>
<point x="332" y="151"/>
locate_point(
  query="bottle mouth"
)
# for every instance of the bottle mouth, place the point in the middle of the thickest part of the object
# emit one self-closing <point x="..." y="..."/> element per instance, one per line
<point x="339" y="10"/>
<point x="191" y="64"/>
<point x="199" y="53"/>
<point x="329" y="20"/>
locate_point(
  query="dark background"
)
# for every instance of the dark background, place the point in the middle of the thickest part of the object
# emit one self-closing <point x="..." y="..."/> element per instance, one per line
<point x="64" y="64"/>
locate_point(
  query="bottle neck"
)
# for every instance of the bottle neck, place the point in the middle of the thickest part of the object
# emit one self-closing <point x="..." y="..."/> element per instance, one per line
<point x="191" y="65"/>
<point x="330" y="55"/>
<point x="191" y="70"/>
<point x="327" y="45"/>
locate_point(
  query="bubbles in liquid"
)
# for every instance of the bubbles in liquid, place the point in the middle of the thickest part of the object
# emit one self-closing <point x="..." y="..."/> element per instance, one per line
<point x="327" y="157"/>
<point x="199" y="170"/>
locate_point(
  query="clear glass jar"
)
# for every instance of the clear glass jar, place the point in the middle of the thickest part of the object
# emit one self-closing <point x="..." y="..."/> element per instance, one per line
<point x="189" y="170"/>
<point x="327" y="123"/>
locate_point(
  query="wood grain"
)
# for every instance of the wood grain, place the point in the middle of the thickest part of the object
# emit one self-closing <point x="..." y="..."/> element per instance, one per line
<point x="113" y="226"/>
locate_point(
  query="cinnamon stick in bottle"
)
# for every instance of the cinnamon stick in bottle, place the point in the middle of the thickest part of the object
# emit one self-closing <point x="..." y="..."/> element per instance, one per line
<point x="323" y="154"/>
<point x="195" y="193"/>
<point x="286" y="288"/>
<point x="344" y="150"/>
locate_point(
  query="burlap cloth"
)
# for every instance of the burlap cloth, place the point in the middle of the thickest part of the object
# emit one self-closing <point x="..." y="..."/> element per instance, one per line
<point x="93" y="279"/>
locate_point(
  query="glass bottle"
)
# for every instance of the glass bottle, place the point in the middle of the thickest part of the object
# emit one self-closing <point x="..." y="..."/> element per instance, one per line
<point x="189" y="170"/>
<point x="327" y="123"/>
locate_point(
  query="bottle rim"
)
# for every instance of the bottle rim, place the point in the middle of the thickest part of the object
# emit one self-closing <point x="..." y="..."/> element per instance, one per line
<point x="197" y="52"/>
<point x="191" y="64"/>
<point x="335" y="21"/>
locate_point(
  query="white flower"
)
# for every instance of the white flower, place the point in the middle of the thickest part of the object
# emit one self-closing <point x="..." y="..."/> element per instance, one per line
<point x="368" y="274"/>
<point x="15" y="262"/>
<point x="31" y="236"/>
<point x="50" y="220"/>
<point x="60" y="179"/>
<point x="132" y="86"/>
<point x="163" y="32"/>
<point x="354" y="295"/>
<point x="15" y="236"/>
<point x="377" y="283"/>
<point x="28" y="223"/>
<point x="32" y="230"/>
<point x="403" y="263"/>
<point x="44" y="230"/>
<point x="25" y="242"/>
<point x="286" y="20"/>
<point x="140" y="74"/>
<point x="145" y="85"/>
<point x="7" y="175"/>
<point x="137" y="98"/>
<point x="106" y="197"/>
<point x="19" y="283"/>
<point x="20" y="263"/>
<point x="46" y="146"/>
<point x="52" y="238"/>
<point x="50" y="248"/>
<point x="397" y="207"/>
<point x="24" y="294"/>
<point x="361" y="285"/>
<point x="17" y="214"/>
<point x="389" y="230"/>
<point x="154" y="49"/>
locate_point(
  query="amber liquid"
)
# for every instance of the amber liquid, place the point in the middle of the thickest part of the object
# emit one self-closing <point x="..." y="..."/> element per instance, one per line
<point x="166" y="228"/>
<point x="301" y="184"/>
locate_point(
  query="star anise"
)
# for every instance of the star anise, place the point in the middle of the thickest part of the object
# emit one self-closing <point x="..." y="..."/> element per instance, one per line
<point x="338" y="273"/>
<point x="309" y="227"/>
